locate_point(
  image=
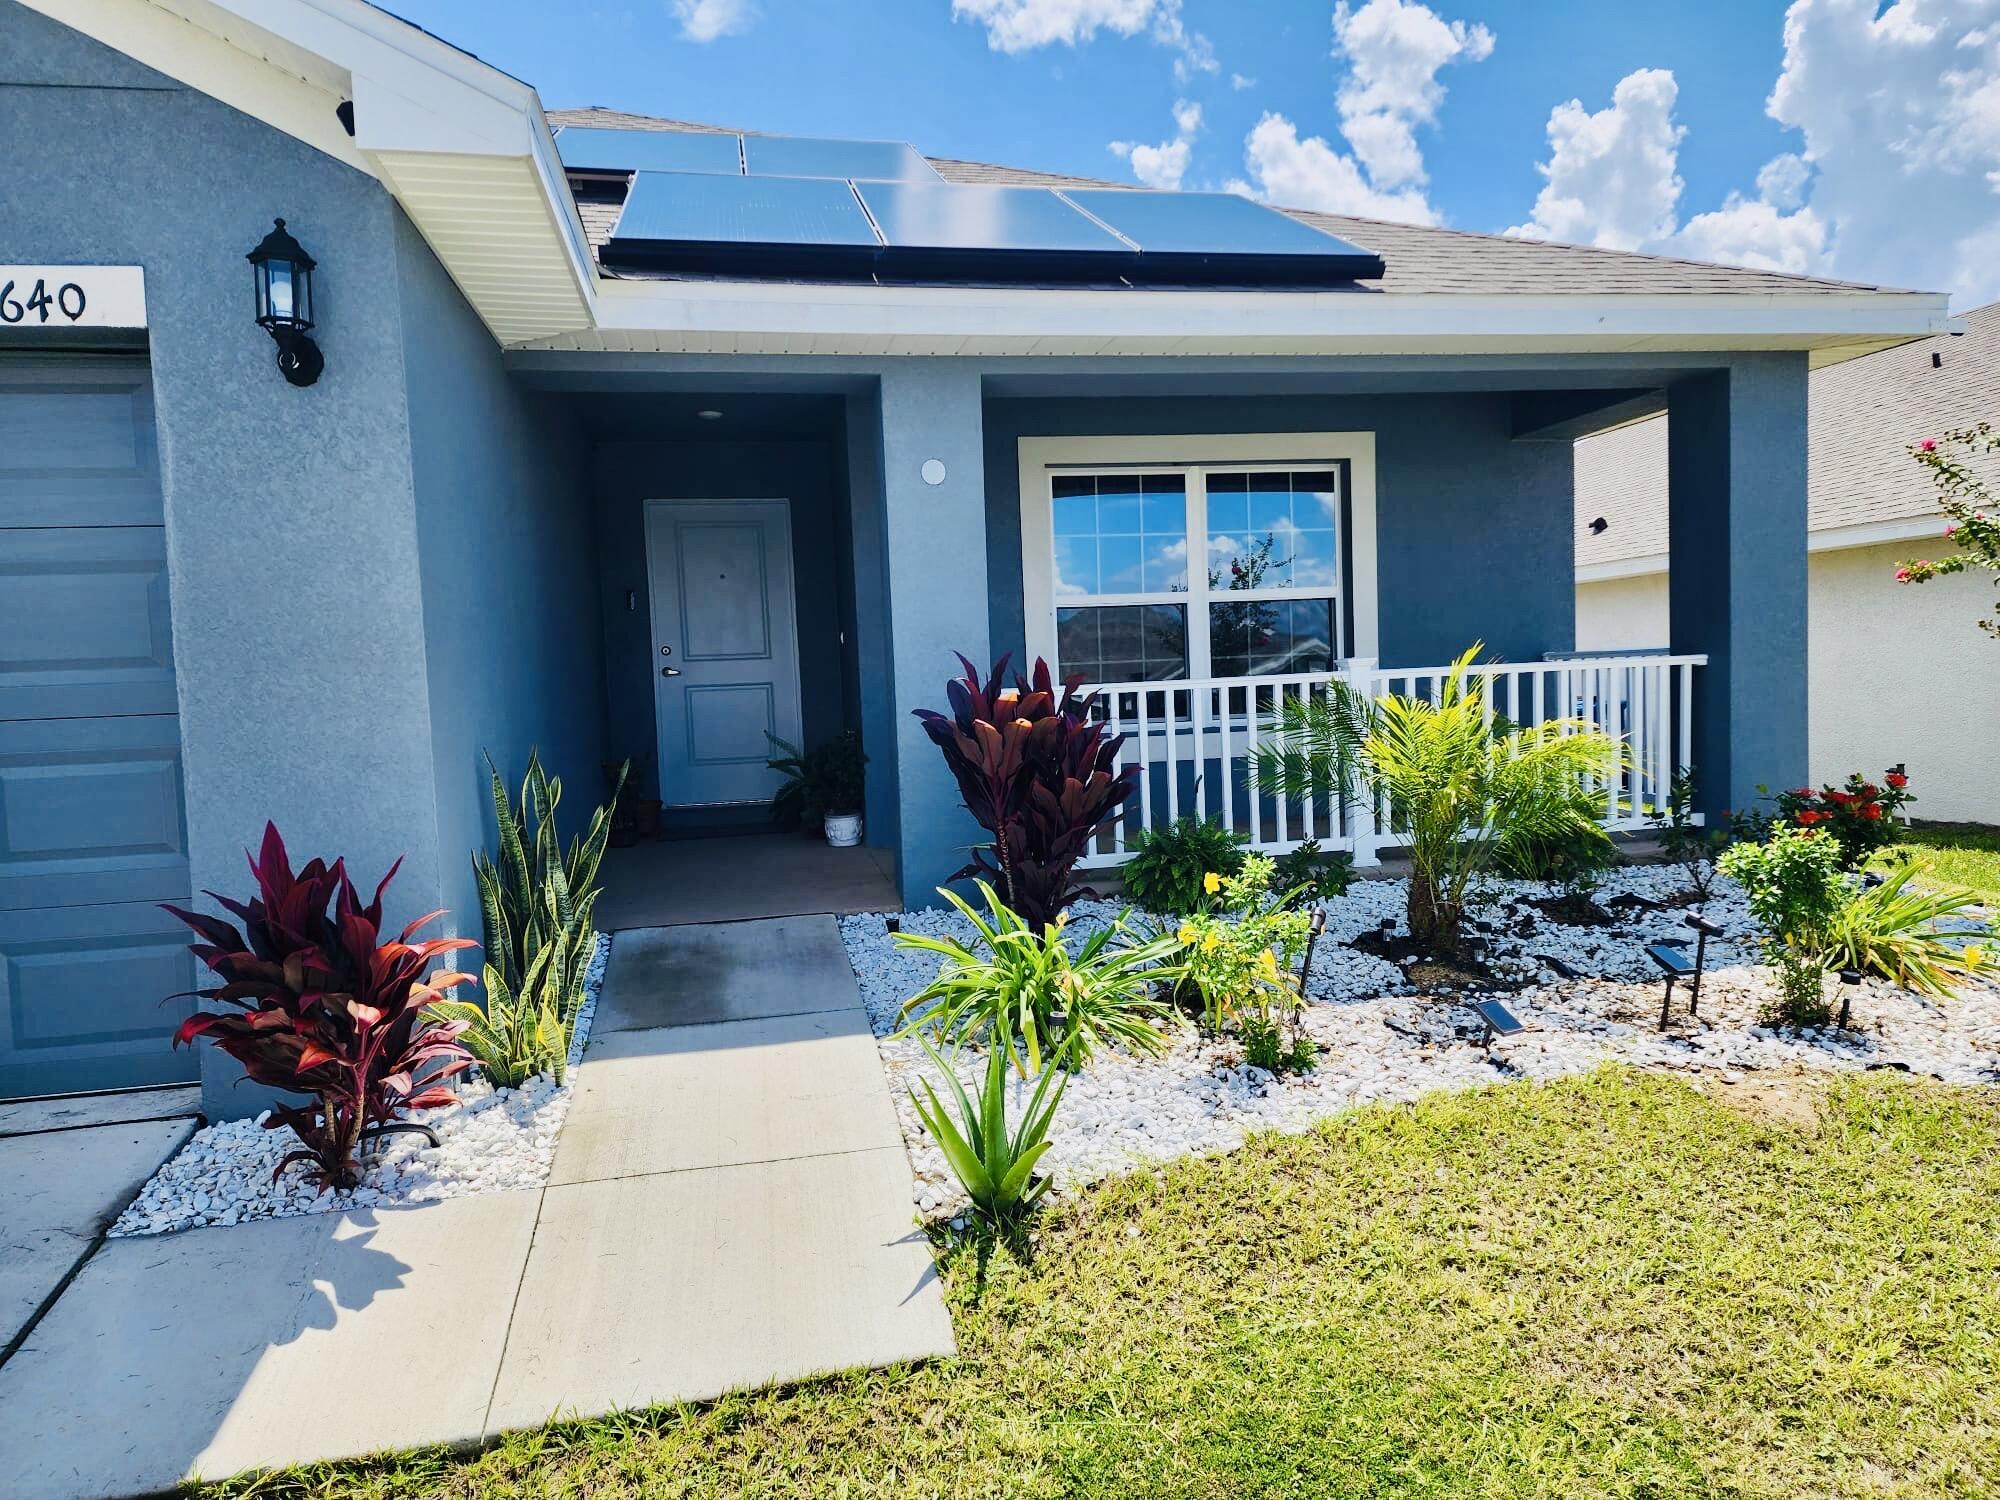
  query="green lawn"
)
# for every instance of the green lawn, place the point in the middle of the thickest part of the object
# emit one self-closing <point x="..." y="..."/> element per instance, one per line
<point x="1966" y="854"/>
<point x="1610" y="1286"/>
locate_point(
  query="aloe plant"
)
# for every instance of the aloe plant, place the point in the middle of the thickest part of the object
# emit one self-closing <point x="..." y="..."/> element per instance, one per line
<point x="536" y="904"/>
<point x="996" y="1169"/>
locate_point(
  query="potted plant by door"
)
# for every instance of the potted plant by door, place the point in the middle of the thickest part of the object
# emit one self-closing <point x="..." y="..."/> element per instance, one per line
<point x="822" y="788"/>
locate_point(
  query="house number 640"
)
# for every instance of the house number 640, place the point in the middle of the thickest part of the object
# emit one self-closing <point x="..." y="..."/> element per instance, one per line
<point x="67" y="301"/>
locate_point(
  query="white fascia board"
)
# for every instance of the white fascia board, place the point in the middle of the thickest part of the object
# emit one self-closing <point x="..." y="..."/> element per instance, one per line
<point x="1826" y="539"/>
<point x="1153" y="321"/>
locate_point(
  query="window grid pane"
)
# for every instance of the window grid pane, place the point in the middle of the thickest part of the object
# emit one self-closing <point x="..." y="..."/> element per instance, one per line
<point x="1124" y="642"/>
<point x="1273" y="530"/>
<point x="1119" y="534"/>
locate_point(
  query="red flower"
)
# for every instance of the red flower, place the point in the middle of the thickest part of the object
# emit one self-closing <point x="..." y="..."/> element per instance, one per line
<point x="1928" y="445"/>
<point x="1902" y="575"/>
<point x="1897" y="780"/>
<point x="1872" y="810"/>
<point x="1800" y="791"/>
<point x="1870" y="791"/>
<point x="1807" y="817"/>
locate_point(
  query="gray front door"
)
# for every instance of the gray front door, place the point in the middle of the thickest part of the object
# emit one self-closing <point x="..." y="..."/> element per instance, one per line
<point x="92" y="833"/>
<point x="725" y="646"/>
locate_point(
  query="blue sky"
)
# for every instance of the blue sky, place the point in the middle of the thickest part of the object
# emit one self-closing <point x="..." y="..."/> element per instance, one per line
<point x="1085" y="73"/>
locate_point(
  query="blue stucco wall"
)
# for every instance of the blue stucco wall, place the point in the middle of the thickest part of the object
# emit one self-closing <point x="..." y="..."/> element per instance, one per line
<point x="506" y="536"/>
<point x="1473" y="528"/>
<point x="626" y="475"/>
<point x="1736" y="574"/>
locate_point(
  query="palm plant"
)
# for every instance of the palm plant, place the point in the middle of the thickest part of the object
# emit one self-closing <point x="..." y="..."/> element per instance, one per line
<point x="1460" y="785"/>
<point x="995" y="1168"/>
<point x="1031" y="998"/>
<point x="1891" y="930"/>
<point x="536" y="906"/>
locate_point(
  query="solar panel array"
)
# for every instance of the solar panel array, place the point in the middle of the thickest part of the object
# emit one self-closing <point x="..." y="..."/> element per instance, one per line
<point x="818" y="209"/>
<point x="590" y="148"/>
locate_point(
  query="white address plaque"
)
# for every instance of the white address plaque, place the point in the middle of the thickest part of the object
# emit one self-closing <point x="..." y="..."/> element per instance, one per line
<point x="72" y="297"/>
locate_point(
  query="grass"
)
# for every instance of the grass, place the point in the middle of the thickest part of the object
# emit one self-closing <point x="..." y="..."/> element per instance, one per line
<point x="1610" y="1286"/>
<point x="1966" y="854"/>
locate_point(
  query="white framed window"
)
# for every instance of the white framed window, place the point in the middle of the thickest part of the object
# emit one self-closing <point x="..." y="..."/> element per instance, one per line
<point x="1166" y="559"/>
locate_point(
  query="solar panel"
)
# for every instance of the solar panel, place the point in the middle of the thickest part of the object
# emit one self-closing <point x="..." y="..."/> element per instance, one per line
<point x="862" y="161"/>
<point x="743" y="225"/>
<point x="590" y="149"/>
<point x="1205" y="223"/>
<point x="978" y="221"/>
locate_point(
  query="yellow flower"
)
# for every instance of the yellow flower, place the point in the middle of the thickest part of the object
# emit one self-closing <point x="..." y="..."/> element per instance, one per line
<point x="1186" y="934"/>
<point x="1975" y="956"/>
<point x="1211" y="882"/>
<point x="1267" y="964"/>
<point x="1213" y="941"/>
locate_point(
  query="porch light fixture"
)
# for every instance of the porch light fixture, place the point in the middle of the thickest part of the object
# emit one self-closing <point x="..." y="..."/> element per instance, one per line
<point x="284" y="274"/>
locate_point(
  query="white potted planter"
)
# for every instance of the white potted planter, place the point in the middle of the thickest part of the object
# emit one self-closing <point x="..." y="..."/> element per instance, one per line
<point x="843" y="830"/>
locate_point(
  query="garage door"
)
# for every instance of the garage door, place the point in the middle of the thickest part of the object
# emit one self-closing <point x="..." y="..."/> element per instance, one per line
<point x="92" y="832"/>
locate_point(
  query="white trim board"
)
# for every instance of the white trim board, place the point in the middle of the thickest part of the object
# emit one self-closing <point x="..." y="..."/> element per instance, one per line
<point x="1827" y="539"/>
<point x="1298" y="450"/>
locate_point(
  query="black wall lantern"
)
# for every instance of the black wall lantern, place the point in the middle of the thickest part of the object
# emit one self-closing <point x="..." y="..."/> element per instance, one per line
<point x="284" y="275"/>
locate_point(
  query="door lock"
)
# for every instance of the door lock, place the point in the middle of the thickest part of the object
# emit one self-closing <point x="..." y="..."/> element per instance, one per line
<point x="666" y="650"/>
<point x="670" y="671"/>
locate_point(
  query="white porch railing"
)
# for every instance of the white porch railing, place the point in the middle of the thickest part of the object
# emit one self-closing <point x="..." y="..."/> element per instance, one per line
<point x="1195" y="743"/>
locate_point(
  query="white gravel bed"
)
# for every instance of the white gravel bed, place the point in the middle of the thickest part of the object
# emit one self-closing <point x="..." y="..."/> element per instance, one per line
<point x="491" y="1141"/>
<point x="1383" y="1041"/>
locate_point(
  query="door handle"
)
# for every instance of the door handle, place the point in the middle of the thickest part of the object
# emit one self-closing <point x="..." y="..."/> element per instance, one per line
<point x="670" y="671"/>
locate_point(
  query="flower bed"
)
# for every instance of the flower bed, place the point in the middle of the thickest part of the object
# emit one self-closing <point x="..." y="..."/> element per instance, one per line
<point x="1383" y="1037"/>
<point x="491" y="1141"/>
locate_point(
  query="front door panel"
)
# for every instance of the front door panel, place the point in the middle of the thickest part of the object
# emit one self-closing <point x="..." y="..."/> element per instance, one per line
<point x="725" y="646"/>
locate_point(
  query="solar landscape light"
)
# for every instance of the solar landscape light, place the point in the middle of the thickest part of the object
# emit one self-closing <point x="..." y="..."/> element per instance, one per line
<point x="1850" y="981"/>
<point x="1312" y="938"/>
<point x="1675" y="965"/>
<point x="1499" y="1020"/>
<point x="1706" y="930"/>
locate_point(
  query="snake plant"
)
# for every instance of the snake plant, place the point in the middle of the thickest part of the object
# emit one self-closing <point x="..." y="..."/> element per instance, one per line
<point x="536" y="902"/>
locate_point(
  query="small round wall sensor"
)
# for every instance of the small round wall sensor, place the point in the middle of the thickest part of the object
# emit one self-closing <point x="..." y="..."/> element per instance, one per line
<point x="933" y="471"/>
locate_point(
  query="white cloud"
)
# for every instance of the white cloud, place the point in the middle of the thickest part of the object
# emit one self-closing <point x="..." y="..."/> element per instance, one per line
<point x="1016" y="26"/>
<point x="1612" y="177"/>
<point x="1164" y="165"/>
<point x="1898" y="180"/>
<point x="1309" y="173"/>
<point x="1900" y="112"/>
<point x="705" y="20"/>
<point x="1240" y="82"/>
<point x="1394" y="50"/>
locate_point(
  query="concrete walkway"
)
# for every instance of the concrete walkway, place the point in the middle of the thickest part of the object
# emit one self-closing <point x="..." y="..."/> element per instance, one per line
<point x="729" y="1207"/>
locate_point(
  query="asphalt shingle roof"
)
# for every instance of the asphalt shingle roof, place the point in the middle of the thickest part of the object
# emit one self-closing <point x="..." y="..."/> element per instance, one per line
<point x="1421" y="259"/>
<point x="1861" y="417"/>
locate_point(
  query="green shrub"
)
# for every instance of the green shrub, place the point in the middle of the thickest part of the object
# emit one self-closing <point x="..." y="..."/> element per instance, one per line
<point x="1031" y="999"/>
<point x="1686" y="842"/>
<point x="1891" y="931"/>
<point x="1241" y="954"/>
<point x="1314" y="875"/>
<point x="536" y="903"/>
<point x="1167" y="865"/>
<point x="1793" y="883"/>
<point x="829" y="778"/>
<point x="995" y="1169"/>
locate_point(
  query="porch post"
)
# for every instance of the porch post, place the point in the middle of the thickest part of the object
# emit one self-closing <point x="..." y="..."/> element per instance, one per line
<point x="1736" y="487"/>
<point x="934" y="531"/>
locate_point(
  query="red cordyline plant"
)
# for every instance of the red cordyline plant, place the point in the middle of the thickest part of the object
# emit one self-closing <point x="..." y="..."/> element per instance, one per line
<point x="1037" y="774"/>
<point x="320" y="1005"/>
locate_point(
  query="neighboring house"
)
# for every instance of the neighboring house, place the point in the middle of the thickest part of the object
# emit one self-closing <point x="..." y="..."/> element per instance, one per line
<point x="807" y="415"/>
<point x="1897" y="672"/>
